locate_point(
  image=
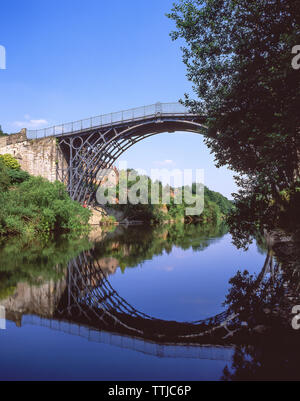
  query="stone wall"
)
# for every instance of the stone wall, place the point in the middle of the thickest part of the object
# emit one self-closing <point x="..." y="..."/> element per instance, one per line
<point x="38" y="157"/>
<point x="34" y="300"/>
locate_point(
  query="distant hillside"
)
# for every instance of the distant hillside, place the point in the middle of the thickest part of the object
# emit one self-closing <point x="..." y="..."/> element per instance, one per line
<point x="224" y="204"/>
<point x="216" y="206"/>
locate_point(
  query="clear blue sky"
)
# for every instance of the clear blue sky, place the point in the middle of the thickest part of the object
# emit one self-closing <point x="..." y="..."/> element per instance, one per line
<point x="71" y="59"/>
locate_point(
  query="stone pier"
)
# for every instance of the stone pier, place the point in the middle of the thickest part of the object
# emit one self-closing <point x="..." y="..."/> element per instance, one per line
<point x="38" y="157"/>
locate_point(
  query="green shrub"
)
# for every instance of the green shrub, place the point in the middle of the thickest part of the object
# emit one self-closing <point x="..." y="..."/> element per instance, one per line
<point x="10" y="176"/>
<point x="10" y="162"/>
<point x="4" y="177"/>
<point x="18" y="176"/>
<point x="39" y="207"/>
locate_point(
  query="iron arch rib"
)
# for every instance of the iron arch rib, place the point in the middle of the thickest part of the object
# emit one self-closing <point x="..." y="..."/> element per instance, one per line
<point x="91" y="300"/>
<point x="88" y="152"/>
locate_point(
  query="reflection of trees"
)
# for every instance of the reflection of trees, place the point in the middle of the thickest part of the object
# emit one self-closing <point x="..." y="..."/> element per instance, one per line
<point x="265" y="303"/>
<point x="262" y="304"/>
<point x="35" y="264"/>
<point x="288" y="254"/>
<point x="249" y="295"/>
<point x="135" y="244"/>
<point x="275" y="358"/>
<point x="39" y="263"/>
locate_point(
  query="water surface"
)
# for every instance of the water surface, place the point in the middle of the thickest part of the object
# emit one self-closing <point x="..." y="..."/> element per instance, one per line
<point x="174" y="273"/>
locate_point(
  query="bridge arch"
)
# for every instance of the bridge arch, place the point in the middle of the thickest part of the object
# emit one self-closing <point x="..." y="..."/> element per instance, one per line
<point x="90" y="145"/>
<point x="90" y="299"/>
<point x="90" y="159"/>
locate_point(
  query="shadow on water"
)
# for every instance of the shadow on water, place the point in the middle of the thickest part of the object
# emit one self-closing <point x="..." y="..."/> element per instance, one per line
<point x="37" y="288"/>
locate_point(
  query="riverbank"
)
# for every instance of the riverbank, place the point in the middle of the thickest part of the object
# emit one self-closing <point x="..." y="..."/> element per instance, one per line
<point x="33" y="207"/>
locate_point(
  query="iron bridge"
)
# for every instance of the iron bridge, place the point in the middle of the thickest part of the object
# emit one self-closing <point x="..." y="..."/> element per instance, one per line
<point x="87" y="146"/>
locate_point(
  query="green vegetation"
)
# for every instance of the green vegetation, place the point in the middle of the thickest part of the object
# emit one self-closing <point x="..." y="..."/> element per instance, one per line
<point x="44" y="261"/>
<point x="36" y="264"/>
<point x="2" y="133"/>
<point x="110" y="222"/>
<point x="10" y="162"/>
<point x="223" y="203"/>
<point x="32" y="206"/>
<point x="216" y="206"/>
<point x="238" y="56"/>
<point x="135" y="244"/>
<point x="249" y="296"/>
<point x="10" y="172"/>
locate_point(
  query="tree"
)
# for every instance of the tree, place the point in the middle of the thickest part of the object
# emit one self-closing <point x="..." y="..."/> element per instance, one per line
<point x="238" y="56"/>
<point x="38" y="208"/>
<point x="1" y="132"/>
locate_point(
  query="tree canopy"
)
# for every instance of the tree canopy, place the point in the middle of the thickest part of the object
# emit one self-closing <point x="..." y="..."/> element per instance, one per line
<point x="238" y="55"/>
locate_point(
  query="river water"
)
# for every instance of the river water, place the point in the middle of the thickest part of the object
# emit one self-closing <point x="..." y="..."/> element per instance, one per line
<point x="74" y="309"/>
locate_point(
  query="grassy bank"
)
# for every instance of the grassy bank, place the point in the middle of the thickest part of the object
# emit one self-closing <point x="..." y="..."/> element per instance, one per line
<point x="33" y="207"/>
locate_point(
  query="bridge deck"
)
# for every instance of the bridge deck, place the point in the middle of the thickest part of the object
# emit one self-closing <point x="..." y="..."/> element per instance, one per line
<point x="163" y="110"/>
<point x="162" y="350"/>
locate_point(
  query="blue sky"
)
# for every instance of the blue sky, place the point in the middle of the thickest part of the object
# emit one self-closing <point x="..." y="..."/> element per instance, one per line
<point x="71" y="59"/>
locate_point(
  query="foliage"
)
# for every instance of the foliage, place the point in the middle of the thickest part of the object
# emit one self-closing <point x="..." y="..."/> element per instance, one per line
<point x="10" y="162"/>
<point x="215" y="205"/>
<point x="238" y="56"/>
<point x="256" y="210"/>
<point x="267" y="304"/>
<point x="136" y="244"/>
<point x="224" y="204"/>
<point x="38" y="207"/>
<point x="249" y="296"/>
<point x="4" y="177"/>
<point x="39" y="263"/>
<point x="10" y="172"/>
<point x="266" y="361"/>
<point x="18" y="176"/>
<point x="108" y="220"/>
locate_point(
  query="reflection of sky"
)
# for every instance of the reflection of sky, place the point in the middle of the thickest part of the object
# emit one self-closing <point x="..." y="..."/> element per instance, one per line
<point x="39" y="353"/>
<point x="186" y="285"/>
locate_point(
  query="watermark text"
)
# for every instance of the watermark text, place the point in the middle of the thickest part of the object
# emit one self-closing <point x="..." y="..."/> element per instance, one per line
<point x="2" y="318"/>
<point x="296" y="59"/>
<point x="162" y="186"/>
<point x="2" y="58"/>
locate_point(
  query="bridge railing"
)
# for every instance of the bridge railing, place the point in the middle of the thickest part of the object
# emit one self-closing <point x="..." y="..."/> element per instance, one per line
<point x="106" y="120"/>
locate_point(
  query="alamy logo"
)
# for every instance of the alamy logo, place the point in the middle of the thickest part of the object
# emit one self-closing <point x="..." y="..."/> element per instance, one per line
<point x="296" y="319"/>
<point x="2" y="318"/>
<point x="125" y="186"/>
<point x="296" y="59"/>
<point x="2" y="58"/>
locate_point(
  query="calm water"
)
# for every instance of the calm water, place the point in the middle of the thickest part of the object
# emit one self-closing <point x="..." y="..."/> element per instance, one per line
<point x="55" y="298"/>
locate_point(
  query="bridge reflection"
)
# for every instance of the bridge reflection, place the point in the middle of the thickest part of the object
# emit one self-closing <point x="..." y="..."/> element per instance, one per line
<point x="85" y="304"/>
<point x="248" y="334"/>
<point x="90" y="300"/>
<point x="191" y="351"/>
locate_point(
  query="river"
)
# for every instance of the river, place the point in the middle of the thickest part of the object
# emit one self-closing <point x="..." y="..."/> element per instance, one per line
<point x="80" y="310"/>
